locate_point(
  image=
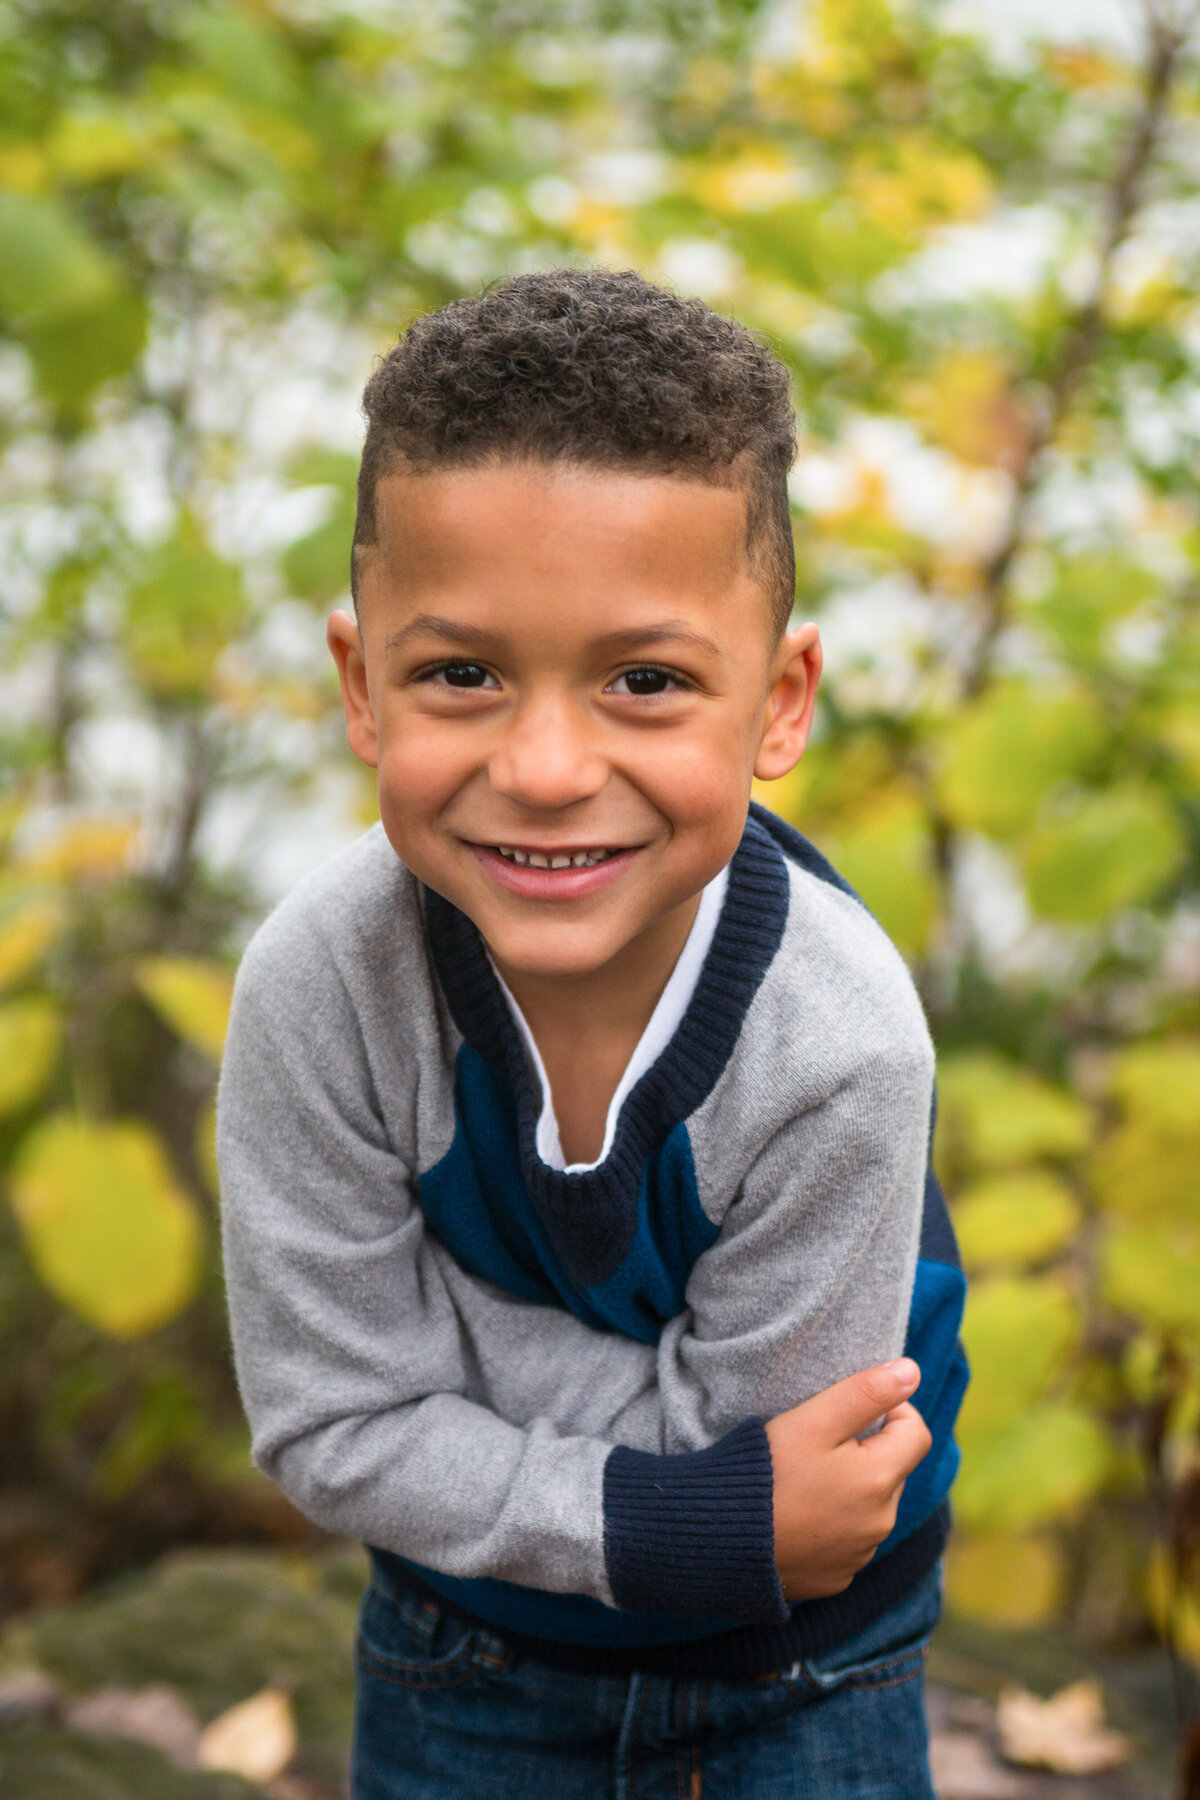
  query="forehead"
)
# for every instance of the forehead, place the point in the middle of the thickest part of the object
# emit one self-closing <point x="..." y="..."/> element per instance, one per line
<point x="512" y="531"/>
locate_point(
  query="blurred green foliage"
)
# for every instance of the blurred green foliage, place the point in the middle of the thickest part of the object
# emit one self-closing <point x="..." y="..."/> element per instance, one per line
<point x="981" y="269"/>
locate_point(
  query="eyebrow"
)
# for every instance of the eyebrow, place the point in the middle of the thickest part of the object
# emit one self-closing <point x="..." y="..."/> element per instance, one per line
<point x="449" y="631"/>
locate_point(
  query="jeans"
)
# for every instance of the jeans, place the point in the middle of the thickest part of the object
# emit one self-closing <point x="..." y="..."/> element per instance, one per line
<point x="446" y="1711"/>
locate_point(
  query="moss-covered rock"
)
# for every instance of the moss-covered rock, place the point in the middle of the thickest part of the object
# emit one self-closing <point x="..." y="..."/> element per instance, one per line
<point x="47" y="1764"/>
<point x="218" y="1627"/>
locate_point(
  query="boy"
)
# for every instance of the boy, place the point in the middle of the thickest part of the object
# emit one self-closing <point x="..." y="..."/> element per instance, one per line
<point x="575" y="1120"/>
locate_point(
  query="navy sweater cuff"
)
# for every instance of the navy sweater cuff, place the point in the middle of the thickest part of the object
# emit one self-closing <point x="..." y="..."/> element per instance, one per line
<point x="695" y="1533"/>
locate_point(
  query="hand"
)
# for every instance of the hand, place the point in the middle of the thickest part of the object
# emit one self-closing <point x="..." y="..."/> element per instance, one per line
<point x="836" y="1496"/>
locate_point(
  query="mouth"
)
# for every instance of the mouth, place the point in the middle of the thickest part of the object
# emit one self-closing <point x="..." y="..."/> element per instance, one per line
<point x="564" y="872"/>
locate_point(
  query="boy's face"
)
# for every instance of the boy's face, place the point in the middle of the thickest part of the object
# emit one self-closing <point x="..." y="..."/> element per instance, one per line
<point x="567" y="678"/>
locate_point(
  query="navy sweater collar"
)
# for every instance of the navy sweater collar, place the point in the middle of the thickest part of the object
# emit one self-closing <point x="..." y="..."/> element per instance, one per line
<point x="747" y="937"/>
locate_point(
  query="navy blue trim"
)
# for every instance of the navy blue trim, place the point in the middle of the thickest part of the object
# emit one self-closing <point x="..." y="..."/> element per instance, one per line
<point x="801" y="851"/>
<point x="742" y="1654"/>
<point x="591" y="1218"/>
<point x="694" y="1533"/>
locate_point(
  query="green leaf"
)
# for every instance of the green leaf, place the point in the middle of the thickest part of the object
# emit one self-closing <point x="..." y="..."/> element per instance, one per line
<point x="73" y="356"/>
<point x="1154" y="1275"/>
<point x="30" y="1034"/>
<point x="1015" y="1221"/>
<point x="993" y="1113"/>
<point x="247" y="58"/>
<point x="182" y="616"/>
<point x="1016" y="1333"/>
<point x="885" y="852"/>
<point x="1001" y="756"/>
<point x="107" y="1227"/>
<point x="1112" y="850"/>
<point x="1043" y="1466"/>
<point x="49" y="268"/>
<point x="192" y="996"/>
<point x="1088" y="594"/>
<point x="317" y="566"/>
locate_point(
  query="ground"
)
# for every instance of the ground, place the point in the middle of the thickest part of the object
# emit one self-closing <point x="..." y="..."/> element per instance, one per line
<point x="103" y="1699"/>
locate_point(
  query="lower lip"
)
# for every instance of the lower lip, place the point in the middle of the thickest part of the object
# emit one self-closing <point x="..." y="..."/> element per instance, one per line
<point x="552" y="884"/>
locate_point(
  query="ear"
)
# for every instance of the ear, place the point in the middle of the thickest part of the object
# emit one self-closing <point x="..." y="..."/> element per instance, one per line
<point x="346" y="647"/>
<point x="787" y="716"/>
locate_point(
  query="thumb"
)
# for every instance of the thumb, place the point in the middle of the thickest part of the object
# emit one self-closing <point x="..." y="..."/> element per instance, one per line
<point x="847" y="1408"/>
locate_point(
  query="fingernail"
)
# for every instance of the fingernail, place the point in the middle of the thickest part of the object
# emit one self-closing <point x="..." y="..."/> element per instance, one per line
<point x="906" y="1371"/>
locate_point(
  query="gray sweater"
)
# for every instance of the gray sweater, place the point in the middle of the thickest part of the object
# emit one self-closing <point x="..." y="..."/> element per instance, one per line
<point x="440" y="1341"/>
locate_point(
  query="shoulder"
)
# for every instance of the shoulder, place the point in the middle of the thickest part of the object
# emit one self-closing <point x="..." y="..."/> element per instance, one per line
<point x="835" y="1007"/>
<point x="353" y="924"/>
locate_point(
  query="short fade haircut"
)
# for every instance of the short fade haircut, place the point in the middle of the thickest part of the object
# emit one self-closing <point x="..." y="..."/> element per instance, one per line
<point x="598" y="368"/>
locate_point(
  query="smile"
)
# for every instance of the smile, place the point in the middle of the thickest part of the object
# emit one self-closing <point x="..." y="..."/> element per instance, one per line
<point x="570" y="859"/>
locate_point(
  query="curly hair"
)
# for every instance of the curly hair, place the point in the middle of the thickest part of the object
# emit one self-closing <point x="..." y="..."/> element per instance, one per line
<point x="598" y="368"/>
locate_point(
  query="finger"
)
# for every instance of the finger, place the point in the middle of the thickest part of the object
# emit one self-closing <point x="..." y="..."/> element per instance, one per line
<point x="842" y="1411"/>
<point x="904" y="1442"/>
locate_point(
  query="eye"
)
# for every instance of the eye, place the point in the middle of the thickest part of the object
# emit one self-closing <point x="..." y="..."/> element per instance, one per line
<point x="462" y="675"/>
<point x="645" y="683"/>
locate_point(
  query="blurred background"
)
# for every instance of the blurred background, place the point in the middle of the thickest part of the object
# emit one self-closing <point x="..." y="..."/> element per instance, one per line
<point x="972" y="231"/>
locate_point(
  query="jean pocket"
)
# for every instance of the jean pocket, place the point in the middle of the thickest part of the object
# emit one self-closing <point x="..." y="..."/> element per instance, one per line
<point x="891" y="1649"/>
<point x="415" y="1643"/>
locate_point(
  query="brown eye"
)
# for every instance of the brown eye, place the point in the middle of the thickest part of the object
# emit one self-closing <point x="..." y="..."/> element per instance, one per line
<point x="464" y="674"/>
<point x="644" y="683"/>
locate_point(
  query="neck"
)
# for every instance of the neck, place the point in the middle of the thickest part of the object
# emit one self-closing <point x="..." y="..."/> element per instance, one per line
<point x="617" y="999"/>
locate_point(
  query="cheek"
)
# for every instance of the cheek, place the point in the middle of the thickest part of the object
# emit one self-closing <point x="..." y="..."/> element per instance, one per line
<point x="418" y="774"/>
<point x="700" y="784"/>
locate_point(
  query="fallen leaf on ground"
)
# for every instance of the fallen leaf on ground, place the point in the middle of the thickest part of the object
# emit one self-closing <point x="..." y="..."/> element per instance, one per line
<point x="154" y="1715"/>
<point x="964" y="1769"/>
<point x="256" y="1738"/>
<point x="1066" y="1733"/>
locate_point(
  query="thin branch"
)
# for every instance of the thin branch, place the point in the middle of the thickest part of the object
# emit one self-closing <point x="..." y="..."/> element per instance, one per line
<point x="1085" y="332"/>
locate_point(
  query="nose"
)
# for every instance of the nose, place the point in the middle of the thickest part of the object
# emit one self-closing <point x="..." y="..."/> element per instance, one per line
<point x="547" y="756"/>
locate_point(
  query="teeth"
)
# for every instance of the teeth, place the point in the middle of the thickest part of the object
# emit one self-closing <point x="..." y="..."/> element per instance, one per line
<point x="582" y="859"/>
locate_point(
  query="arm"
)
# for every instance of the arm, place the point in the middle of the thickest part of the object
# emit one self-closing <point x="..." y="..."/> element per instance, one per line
<point x="470" y="1431"/>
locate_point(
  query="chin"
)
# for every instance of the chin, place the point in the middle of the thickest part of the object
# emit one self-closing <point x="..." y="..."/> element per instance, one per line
<point x="534" y="955"/>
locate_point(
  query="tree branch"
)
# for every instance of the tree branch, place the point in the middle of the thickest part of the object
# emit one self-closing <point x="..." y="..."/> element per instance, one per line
<point x="1166" y="39"/>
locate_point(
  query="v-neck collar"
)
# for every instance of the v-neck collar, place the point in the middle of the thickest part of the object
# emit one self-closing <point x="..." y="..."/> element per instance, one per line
<point x="746" y="939"/>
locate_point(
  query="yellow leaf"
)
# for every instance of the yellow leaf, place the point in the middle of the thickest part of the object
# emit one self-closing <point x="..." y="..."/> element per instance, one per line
<point x="1159" y="1084"/>
<point x="1015" y="1221"/>
<point x="192" y="996"/>
<point x="968" y="406"/>
<point x="107" y="1228"/>
<point x="1003" y="1579"/>
<point x="885" y="853"/>
<point x="1066" y="1733"/>
<point x="30" y="1032"/>
<point x="1139" y="1174"/>
<point x="24" y="939"/>
<point x="256" y="1739"/>
<point x="908" y="184"/>
<point x="1017" y="1334"/>
<point x="85" y="850"/>
<point x="993" y="1114"/>
<point x="1154" y="1276"/>
<point x="1180" y="729"/>
<point x="1040" y="1467"/>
